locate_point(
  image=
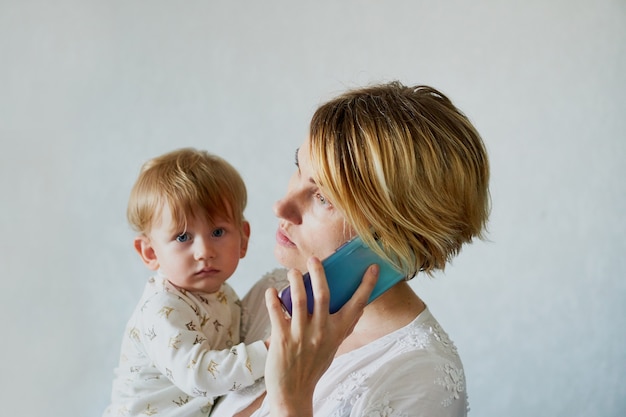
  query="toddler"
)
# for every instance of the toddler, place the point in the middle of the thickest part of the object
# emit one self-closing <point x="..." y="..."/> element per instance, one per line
<point x="181" y="346"/>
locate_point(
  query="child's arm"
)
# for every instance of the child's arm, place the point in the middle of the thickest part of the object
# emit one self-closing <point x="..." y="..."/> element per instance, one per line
<point x="181" y="346"/>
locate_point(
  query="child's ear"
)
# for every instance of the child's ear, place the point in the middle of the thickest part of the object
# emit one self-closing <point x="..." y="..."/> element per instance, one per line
<point x="245" y="237"/>
<point x="146" y="252"/>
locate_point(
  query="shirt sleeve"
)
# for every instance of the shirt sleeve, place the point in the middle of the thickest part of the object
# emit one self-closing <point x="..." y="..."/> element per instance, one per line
<point x="173" y="337"/>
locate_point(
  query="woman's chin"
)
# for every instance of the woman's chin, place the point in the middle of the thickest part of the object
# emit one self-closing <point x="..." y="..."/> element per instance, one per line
<point x="288" y="260"/>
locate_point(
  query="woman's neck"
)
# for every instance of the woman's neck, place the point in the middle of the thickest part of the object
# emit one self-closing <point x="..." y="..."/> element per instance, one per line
<point x="391" y="311"/>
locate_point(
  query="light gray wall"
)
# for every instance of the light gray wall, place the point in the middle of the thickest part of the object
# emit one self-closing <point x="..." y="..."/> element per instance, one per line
<point x="91" y="89"/>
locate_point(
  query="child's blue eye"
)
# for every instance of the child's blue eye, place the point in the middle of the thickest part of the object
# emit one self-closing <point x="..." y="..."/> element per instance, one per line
<point x="218" y="232"/>
<point x="321" y="198"/>
<point x="183" y="237"/>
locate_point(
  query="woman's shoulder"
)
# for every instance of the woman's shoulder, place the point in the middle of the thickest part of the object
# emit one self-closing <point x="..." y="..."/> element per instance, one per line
<point x="255" y="323"/>
<point x="254" y="300"/>
<point x="276" y="278"/>
<point x="421" y="370"/>
<point x="425" y="333"/>
<point x="431" y="385"/>
<point x="411" y="383"/>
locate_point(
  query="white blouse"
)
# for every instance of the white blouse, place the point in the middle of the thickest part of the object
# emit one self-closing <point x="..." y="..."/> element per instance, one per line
<point x="413" y="371"/>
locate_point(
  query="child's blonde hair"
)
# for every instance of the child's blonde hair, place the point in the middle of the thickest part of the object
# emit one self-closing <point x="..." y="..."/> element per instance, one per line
<point x="405" y="163"/>
<point x="193" y="183"/>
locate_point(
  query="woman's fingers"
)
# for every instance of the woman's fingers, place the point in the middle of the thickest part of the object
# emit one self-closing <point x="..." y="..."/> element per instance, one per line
<point x="303" y="347"/>
<point x="359" y="300"/>
<point x="353" y="309"/>
<point x="275" y="310"/>
<point x="320" y="290"/>
<point x="299" y="312"/>
<point x="301" y="322"/>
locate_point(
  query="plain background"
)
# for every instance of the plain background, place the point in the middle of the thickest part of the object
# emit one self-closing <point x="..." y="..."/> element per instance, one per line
<point x="91" y="89"/>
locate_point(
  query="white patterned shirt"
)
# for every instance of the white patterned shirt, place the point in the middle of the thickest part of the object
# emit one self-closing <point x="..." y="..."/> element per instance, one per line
<point x="413" y="371"/>
<point x="180" y="350"/>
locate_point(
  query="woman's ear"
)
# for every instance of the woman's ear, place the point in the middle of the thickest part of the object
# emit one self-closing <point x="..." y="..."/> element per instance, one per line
<point x="146" y="252"/>
<point x="245" y="237"/>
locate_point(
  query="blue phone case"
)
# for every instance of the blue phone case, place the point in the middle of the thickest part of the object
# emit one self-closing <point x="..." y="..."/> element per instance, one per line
<point x="344" y="270"/>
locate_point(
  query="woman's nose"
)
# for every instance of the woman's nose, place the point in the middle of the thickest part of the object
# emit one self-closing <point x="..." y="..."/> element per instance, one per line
<point x="287" y="209"/>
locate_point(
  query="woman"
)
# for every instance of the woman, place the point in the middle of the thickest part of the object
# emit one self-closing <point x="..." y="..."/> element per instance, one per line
<point x="401" y="165"/>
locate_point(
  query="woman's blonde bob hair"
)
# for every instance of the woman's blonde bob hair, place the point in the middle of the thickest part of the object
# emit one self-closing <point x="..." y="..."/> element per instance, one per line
<point x="407" y="168"/>
<point x="193" y="183"/>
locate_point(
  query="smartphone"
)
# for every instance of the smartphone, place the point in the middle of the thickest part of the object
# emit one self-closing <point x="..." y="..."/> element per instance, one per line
<point x="344" y="270"/>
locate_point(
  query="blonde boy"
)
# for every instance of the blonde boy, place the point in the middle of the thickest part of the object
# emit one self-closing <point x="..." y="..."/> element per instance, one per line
<point x="181" y="345"/>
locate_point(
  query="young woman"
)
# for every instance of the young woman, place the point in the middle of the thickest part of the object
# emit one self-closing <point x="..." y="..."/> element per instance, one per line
<point x="405" y="170"/>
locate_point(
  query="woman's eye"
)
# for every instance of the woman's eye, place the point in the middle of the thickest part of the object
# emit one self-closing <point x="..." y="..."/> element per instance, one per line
<point x="321" y="198"/>
<point x="218" y="232"/>
<point x="183" y="237"/>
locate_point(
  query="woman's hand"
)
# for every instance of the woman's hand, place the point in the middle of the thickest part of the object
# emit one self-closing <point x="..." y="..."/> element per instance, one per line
<point x="302" y="347"/>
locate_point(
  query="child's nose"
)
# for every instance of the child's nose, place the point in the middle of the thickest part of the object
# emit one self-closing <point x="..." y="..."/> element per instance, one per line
<point x="203" y="250"/>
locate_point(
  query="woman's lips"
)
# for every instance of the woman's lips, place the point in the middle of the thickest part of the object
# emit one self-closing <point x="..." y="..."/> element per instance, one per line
<point x="283" y="240"/>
